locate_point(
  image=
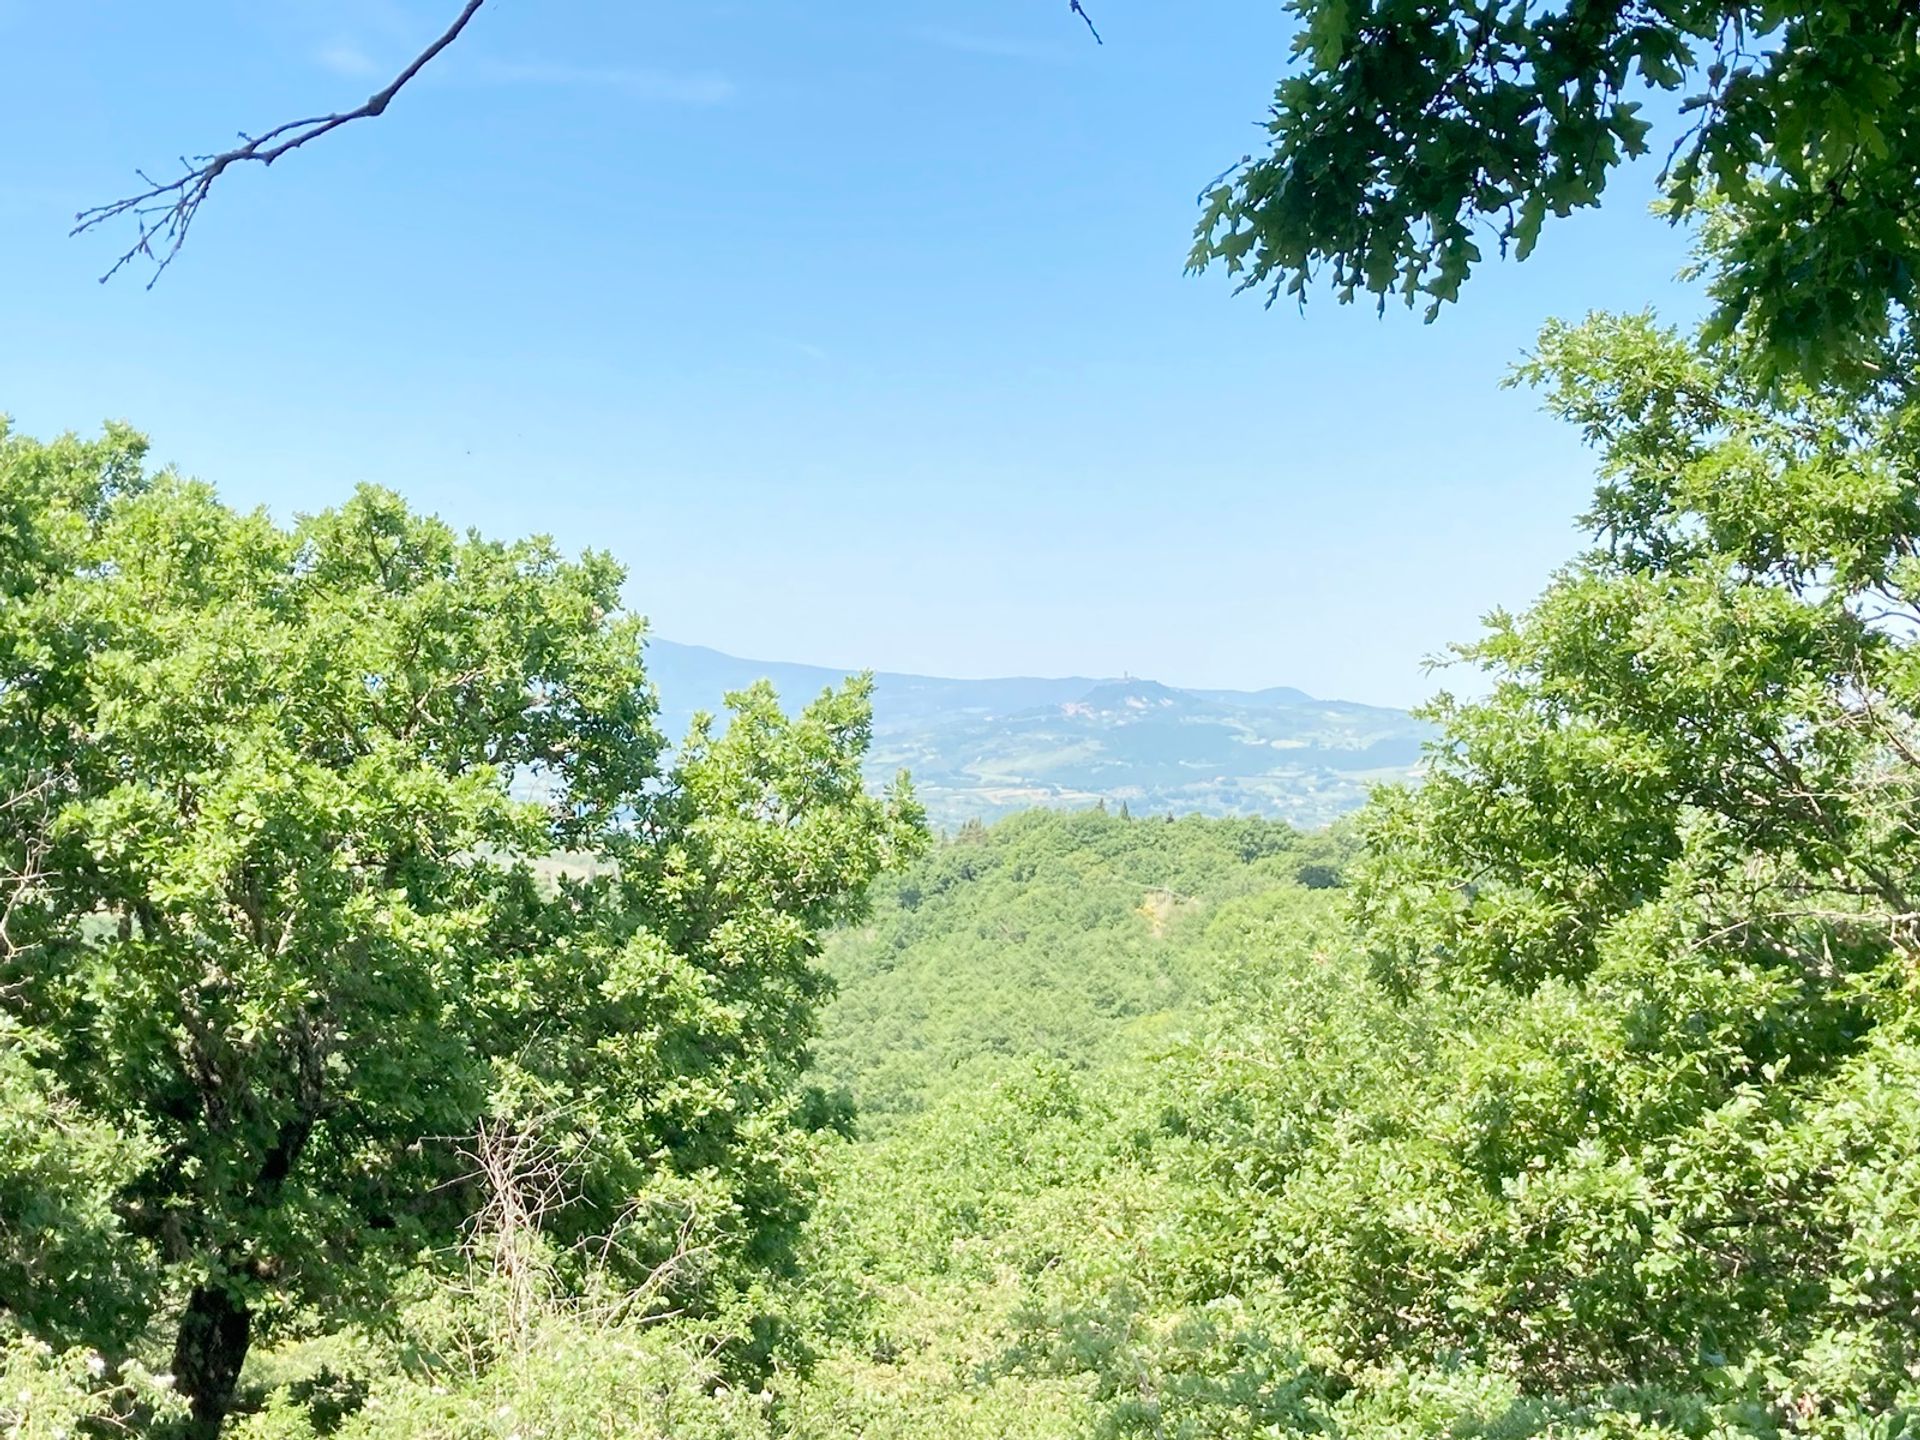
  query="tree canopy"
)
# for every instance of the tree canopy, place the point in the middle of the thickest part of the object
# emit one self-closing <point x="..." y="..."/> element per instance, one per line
<point x="283" y="936"/>
<point x="1410" y="138"/>
<point x="1592" y="1110"/>
<point x="360" y="930"/>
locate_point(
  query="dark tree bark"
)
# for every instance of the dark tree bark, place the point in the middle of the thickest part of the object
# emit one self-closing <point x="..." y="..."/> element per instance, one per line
<point x="207" y="1356"/>
<point x="217" y="1329"/>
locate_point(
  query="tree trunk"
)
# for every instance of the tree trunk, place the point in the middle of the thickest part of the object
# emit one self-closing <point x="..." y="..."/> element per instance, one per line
<point x="207" y="1356"/>
<point x="217" y="1329"/>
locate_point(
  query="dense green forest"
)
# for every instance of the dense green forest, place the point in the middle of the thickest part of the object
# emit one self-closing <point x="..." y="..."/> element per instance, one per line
<point x="402" y="1035"/>
<point x="1575" y="1092"/>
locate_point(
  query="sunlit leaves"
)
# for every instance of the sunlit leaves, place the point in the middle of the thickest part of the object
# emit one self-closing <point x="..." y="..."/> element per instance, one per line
<point x="1411" y="140"/>
<point x="291" y="934"/>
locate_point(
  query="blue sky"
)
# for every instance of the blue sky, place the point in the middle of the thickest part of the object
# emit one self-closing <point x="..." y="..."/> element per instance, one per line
<point x="857" y="330"/>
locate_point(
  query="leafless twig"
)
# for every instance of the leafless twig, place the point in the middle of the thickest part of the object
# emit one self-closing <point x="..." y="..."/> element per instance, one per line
<point x="17" y="883"/>
<point x="525" y="1180"/>
<point x="165" y="210"/>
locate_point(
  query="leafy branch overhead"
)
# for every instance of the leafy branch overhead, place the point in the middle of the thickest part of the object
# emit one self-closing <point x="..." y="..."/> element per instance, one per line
<point x="1411" y="138"/>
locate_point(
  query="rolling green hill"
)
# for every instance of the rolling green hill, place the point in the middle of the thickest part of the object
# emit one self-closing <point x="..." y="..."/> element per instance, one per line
<point x="1059" y="937"/>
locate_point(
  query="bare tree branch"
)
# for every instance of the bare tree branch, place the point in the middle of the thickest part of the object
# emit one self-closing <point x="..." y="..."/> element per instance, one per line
<point x="20" y="879"/>
<point x="165" y="211"/>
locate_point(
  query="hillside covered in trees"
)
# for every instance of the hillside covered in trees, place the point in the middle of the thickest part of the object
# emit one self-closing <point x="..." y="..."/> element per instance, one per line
<point x="1572" y="1093"/>
<point x="415" y="1024"/>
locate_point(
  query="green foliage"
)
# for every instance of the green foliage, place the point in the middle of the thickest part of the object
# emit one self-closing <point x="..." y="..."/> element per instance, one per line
<point x="1594" y="1116"/>
<point x="49" y="1394"/>
<point x="1662" y="872"/>
<point x="577" y="1387"/>
<point x="1711" y="712"/>
<point x="275" y="943"/>
<point x="1574" y="1094"/>
<point x="1336" y="1206"/>
<point x="70" y="1270"/>
<point x="1407" y="135"/>
<point x="967" y="1255"/>
<point x="1065" y="936"/>
<point x="496" y="1365"/>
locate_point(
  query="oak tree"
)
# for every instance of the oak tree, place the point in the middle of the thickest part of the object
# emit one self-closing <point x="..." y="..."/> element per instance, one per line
<point x="294" y="932"/>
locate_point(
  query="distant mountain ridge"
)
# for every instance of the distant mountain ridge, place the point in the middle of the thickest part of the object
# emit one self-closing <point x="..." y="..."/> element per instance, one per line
<point x="979" y="749"/>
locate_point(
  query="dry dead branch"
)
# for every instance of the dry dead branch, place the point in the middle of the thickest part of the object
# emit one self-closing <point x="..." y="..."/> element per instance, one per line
<point x="164" y="212"/>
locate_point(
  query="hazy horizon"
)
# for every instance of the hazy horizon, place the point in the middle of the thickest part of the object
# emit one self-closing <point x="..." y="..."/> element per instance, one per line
<point x="1091" y="677"/>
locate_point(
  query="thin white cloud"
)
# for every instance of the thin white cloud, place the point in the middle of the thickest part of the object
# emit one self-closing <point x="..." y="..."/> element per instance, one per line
<point x="641" y="82"/>
<point x="817" y="353"/>
<point x="345" y="59"/>
<point x="968" y="43"/>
